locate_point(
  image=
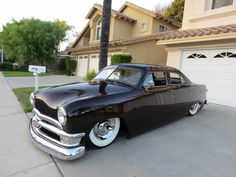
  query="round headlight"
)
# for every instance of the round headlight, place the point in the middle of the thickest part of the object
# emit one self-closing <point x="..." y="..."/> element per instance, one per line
<point x="32" y="99"/>
<point x="61" y="114"/>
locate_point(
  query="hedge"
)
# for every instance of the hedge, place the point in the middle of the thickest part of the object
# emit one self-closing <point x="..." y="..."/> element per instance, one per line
<point x="91" y="75"/>
<point x="70" y="66"/>
<point x="121" y="58"/>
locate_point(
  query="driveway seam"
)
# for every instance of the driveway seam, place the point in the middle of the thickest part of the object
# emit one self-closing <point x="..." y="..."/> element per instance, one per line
<point x="57" y="166"/>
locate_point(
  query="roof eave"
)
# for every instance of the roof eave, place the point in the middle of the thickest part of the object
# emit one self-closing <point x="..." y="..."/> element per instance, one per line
<point x="204" y="38"/>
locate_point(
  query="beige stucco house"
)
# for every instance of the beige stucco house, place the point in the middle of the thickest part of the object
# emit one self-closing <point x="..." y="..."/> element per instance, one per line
<point x="205" y="48"/>
<point x="133" y="30"/>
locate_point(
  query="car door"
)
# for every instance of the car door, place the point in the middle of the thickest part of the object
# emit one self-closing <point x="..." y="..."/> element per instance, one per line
<point x="182" y="93"/>
<point x="157" y="98"/>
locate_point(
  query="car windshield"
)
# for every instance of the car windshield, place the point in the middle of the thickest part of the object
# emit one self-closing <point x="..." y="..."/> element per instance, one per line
<point x="127" y="76"/>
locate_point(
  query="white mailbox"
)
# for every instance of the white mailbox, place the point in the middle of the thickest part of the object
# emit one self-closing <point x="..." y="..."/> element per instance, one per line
<point x="37" y="69"/>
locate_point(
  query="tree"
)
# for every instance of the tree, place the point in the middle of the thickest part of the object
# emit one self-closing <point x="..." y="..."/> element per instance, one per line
<point x="32" y="40"/>
<point x="160" y="8"/>
<point x="105" y="32"/>
<point x="175" y="11"/>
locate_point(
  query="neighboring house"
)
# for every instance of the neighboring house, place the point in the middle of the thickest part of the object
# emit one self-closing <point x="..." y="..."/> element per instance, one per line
<point x="132" y="31"/>
<point x="205" y="48"/>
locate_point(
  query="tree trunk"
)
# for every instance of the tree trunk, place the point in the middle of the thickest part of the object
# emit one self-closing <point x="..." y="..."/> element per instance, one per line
<point x="105" y="32"/>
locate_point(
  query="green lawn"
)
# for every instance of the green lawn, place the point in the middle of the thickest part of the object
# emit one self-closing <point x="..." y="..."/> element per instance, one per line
<point x="19" y="74"/>
<point x="23" y="95"/>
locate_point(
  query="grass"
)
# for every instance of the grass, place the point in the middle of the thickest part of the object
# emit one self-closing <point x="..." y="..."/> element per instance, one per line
<point x="23" y="95"/>
<point x="20" y="74"/>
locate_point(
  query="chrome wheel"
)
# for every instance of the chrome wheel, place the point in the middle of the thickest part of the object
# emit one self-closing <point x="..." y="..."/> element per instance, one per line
<point x="104" y="133"/>
<point x="194" y="109"/>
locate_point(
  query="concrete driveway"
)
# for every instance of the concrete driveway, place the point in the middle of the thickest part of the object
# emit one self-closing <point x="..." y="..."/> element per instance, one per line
<point x="52" y="80"/>
<point x="200" y="146"/>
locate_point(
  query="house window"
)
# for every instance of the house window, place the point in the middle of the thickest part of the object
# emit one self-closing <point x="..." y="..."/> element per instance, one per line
<point x="98" y="29"/>
<point x="143" y="26"/>
<point x="163" y="29"/>
<point x="196" y="56"/>
<point x="226" y="55"/>
<point x="222" y="3"/>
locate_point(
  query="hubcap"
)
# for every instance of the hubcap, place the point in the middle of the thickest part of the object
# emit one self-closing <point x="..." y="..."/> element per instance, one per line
<point x="194" y="108"/>
<point x="104" y="130"/>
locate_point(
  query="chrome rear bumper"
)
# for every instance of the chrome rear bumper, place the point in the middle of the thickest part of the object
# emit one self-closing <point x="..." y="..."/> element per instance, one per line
<point x="66" y="147"/>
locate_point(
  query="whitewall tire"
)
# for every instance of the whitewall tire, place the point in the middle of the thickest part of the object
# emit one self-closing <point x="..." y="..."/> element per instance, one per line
<point x="104" y="133"/>
<point x="194" y="109"/>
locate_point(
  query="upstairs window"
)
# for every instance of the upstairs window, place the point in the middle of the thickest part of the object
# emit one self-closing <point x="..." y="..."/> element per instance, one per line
<point x="143" y="26"/>
<point x="221" y="3"/>
<point x="163" y="29"/>
<point x="98" y="29"/>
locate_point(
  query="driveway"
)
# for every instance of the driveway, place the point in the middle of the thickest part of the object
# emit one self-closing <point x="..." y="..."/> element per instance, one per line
<point x="18" y="82"/>
<point x="200" y="146"/>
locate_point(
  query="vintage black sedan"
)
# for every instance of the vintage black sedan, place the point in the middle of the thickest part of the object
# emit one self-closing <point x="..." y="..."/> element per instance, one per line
<point x="131" y="97"/>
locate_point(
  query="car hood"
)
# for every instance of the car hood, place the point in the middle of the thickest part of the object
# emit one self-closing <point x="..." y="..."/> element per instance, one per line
<point x="56" y="96"/>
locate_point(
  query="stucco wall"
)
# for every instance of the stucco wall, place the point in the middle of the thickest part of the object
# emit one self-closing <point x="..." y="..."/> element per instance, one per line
<point x="121" y="29"/>
<point x="199" y="14"/>
<point x="140" y="17"/>
<point x="148" y="53"/>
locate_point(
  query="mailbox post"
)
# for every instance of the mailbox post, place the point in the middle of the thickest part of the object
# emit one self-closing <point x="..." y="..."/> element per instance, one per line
<point x="37" y="70"/>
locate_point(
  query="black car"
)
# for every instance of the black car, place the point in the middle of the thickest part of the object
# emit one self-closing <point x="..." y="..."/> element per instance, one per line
<point x="132" y="97"/>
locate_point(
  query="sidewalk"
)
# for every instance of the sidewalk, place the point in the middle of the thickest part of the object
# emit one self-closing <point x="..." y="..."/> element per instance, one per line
<point x="18" y="157"/>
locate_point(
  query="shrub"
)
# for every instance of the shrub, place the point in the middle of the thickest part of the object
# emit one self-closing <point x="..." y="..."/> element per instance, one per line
<point x="120" y="58"/>
<point x="62" y="65"/>
<point x="91" y="75"/>
<point x="6" y="66"/>
<point x="70" y="66"/>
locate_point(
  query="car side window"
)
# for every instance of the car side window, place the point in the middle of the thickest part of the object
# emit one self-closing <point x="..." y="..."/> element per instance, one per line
<point x="177" y="79"/>
<point x="148" y="80"/>
<point x="158" y="79"/>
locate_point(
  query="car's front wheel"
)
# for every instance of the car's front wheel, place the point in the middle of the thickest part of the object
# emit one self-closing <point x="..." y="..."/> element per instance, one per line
<point x="105" y="132"/>
<point x="194" y="109"/>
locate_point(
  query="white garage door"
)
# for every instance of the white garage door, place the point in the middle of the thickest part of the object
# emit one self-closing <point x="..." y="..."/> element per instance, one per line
<point x="216" y="68"/>
<point x="94" y="63"/>
<point x="82" y="66"/>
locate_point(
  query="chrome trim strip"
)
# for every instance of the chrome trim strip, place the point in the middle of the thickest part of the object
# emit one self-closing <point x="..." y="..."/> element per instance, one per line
<point x="49" y="119"/>
<point x="62" y="153"/>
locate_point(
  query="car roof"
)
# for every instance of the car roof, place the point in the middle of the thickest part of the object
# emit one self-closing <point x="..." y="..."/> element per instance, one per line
<point x="149" y="67"/>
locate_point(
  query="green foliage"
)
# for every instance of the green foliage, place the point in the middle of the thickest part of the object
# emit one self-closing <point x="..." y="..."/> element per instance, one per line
<point x="32" y="40"/>
<point x="62" y="65"/>
<point x="70" y="66"/>
<point x="120" y="58"/>
<point x="23" y="95"/>
<point x="175" y="11"/>
<point x="6" y="66"/>
<point x="91" y="75"/>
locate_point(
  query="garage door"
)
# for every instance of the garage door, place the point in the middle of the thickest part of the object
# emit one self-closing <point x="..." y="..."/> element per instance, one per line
<point x="93" y="63"/>
<point x="216" y="68"/>
<point x="82" y="66"/>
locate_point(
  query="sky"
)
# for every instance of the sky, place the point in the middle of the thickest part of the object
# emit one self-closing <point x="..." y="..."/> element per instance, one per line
<point x="71" y="11"/>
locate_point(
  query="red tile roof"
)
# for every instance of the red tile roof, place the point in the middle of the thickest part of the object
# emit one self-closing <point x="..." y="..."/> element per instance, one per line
<point x="114" y="13"/>
<point x="196" y="32"/>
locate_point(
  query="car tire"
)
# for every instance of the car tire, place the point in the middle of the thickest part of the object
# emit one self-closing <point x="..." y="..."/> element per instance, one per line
<point x="104" y="133"/>
<point x="194" y="109"/>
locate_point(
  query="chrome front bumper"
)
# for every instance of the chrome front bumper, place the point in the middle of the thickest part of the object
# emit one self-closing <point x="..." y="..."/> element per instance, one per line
<point x="43" y="131"/>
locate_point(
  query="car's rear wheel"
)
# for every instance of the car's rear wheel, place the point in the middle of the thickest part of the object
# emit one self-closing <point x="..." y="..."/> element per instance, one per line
<point x="194" y="109"/>
<point x="105" y="132"/>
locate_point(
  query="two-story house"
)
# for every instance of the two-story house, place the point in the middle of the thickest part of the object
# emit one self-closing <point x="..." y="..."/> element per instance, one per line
<point x="205" y="48"/>
<point x="132" y="31"/>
